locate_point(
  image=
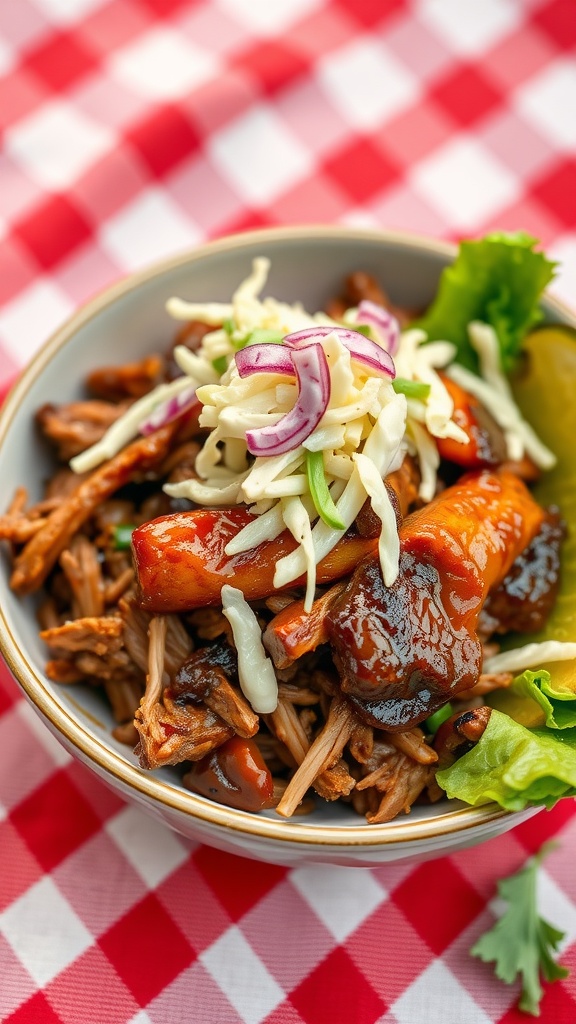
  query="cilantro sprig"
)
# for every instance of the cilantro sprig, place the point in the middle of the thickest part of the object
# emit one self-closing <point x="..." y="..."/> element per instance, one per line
<point x="522" y="944"/>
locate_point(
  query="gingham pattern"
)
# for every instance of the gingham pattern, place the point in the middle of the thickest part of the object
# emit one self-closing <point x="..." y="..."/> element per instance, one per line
<point x="134" y="129"/>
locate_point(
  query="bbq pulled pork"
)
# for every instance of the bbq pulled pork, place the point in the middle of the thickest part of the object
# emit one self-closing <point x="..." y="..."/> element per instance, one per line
<point x="403" y="651"/>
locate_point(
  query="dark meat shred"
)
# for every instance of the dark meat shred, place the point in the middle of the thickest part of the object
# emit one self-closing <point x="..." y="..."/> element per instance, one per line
<point x="523" y="601"/>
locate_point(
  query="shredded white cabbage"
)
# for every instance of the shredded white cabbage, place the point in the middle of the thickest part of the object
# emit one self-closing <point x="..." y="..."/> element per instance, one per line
<point x="389" y="543"/>
<point x="297" y="520"/>
<point x="364" y="434"/>
<point x="126" y="428"/>
<point x="493" y="390"/>
<point x="256" y="672"/>
<point x="531" y="656"/>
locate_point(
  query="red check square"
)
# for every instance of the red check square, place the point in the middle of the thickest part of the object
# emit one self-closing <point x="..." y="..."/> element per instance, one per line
<point x="352" y="998"/>
<point x="54" y="820"/>
<point x="60" y="61"/>
<point x="147" y="949"/>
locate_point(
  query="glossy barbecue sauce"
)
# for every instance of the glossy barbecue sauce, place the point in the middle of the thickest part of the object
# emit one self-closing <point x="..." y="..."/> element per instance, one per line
<point x="403" y="651"/>
<point x="235" y="774"/>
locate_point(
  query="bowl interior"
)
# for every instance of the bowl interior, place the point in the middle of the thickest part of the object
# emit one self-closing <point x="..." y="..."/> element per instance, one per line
<point x="125" y="323"/>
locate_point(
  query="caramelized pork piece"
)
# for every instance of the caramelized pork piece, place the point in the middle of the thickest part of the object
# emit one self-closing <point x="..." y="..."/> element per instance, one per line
<point x="205" y="678"/>
<point x="294" y="632"/>
<point x="132" y="380"/>
<point x="181" y="564"/>
<point x="523" y="601"/>
<point x="170" y="726"/>
<point x="76" y="426"/>
<point x="486" y="445"/>
<point x="460" y="732"/>
<point x="403" y="650"/>
<point x="35" y="561"/>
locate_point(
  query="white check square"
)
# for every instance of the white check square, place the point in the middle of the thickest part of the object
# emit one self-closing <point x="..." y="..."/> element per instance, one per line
<point x="147" y="229"/>
<point x="153" y="850"/>
<point x="366" y="84"/>
<point x="548" y="102"/>
<point x="464" y="183"/>
<point x="259" y="156"/>
<point x="27" y="321"/>
<point x="455" y="1004"/>
<point x="163" y="65"/>
<point x="66" y="12"/>
<point x="266" y="18"/>
<point x="242" y="977"/>
<point x="470" y="28"/>
<point x="341" y="897"/>
<point x="44" y="932"/>
<point x="56" y="144"/>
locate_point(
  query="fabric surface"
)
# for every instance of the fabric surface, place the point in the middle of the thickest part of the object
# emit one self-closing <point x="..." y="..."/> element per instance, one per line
<point x="132" y="130"/>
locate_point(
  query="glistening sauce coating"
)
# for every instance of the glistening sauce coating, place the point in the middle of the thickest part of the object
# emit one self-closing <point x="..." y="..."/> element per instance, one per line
<point x="404" y="650"/>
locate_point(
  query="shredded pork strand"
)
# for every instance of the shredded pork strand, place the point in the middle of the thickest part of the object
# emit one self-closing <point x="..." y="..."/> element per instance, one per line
<point x="289" y="728"/>
<point x="78" y="425"/>
<point x="124" y="696"/>
<point x="178" y="643"/>
<point x="171" y="732"/>
<point x="60" y="670"/>
<point x="413" y="743"/>
<point x="392" y="783"/>
<point x="402" y="789"/>
<point x="84" y="574"/>
<point x="323" y="754"/>
<point x="101" y="636"/>
<point x="115" y="666"/>
<point x="37" y="558"/>
<point x="115" y="589"/>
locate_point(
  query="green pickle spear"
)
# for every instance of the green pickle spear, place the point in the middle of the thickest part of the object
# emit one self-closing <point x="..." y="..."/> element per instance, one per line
<point x="545" y="390"/>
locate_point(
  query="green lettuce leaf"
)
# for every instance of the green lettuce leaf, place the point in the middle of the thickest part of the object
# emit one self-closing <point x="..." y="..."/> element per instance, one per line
<point x="559" y="706"/>
<point x="497" y="279"/>
<point x="514" y="766"/>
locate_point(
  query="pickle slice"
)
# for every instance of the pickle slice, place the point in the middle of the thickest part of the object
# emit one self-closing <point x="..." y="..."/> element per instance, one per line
<point x="545" y="390"/>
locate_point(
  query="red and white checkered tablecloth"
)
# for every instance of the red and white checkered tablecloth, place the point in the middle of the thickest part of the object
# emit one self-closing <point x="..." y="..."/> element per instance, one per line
<point x="133" y="129"/>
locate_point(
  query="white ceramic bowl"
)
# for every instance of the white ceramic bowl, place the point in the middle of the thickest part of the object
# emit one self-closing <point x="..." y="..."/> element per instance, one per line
<point x="123" y="323"/>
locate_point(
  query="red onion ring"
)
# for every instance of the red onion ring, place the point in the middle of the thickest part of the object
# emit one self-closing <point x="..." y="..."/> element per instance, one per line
<point x="361" y="348"/>
<point x="386" y="326"/>
<point x="168" y="410"/>
<point x="264" y="358"/>
<point x="313" y="376"/>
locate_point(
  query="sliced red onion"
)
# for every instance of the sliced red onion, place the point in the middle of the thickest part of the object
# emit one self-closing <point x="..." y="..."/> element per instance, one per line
<point x="311" y="368"/>
<point x="168" y="410"/>
<point x="363" y="349"/>
<point x="264" y="357"/>
<point x="386" y="326"/>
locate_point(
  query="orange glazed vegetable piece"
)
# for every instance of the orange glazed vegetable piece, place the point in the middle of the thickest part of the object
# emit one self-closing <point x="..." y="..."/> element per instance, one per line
<point x="235" y="774"/>
<point x="181" y="564"/>
<point x="486" y="443"/>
